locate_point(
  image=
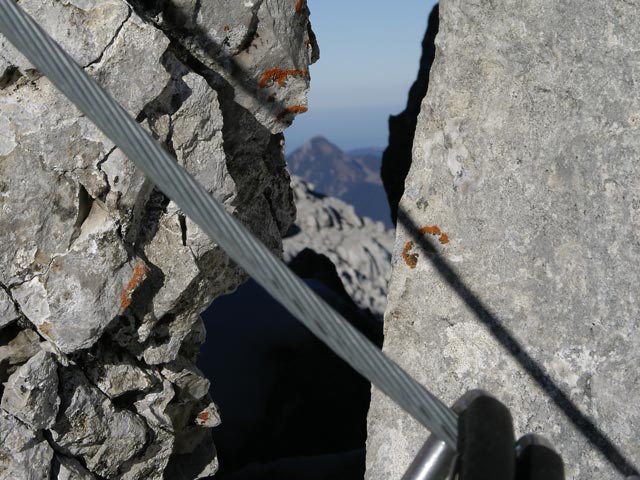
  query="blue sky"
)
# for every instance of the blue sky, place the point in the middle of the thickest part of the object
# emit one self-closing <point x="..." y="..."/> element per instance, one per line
<point x="369" y="55"/>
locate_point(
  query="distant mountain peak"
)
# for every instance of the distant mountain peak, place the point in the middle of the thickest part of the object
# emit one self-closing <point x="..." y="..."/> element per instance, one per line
<point x="321" y="144"/>
<point x="354" y="177"/>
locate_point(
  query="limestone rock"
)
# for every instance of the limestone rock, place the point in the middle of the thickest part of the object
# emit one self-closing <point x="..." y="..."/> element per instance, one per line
<point x="91" y="427"/>
<point x="100" y="262"/>
<point x="262" y="47"/>
<point x="8" y="312"/>
<point x="31" y="393"/>
<point x="71" y="469"/>
<point x="525" y="155"/>
<point x="24" y="453"/>
<point x="359" y="247"/>
<point x="16" y="347"/>
<point x="116" y="372"/>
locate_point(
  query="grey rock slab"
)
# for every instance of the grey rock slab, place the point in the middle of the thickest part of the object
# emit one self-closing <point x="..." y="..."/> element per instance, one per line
<point x="84" y="29"/>
<point x="8" y="312"/>
<point x="24" y="453"/>
<point x="525" y="155"/>
<point x="263" y="48"/>
<point x="153" y="405"/>
<point x="31" y="392"/>
<point x="55" y="301"/>
<point x="359" y="247"/>
<point x="117" y="373"/>
<point x="137" y="48"/>
<point x="89" y="426"/>
<point x="71" y="469"/>
<point x="187" y="377"/>
<point x="153" y="463"/>
<point x="19" y="347"/>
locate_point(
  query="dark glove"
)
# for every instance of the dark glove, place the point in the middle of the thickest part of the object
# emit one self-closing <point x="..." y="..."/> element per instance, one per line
<point x="488" y="451"/>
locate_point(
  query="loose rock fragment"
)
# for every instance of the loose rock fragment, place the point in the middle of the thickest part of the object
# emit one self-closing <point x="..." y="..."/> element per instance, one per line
<point x="71" y="469"/>
<point x="8" y="312"/>
<point x="89" y="426"/>
<point x="24" y="453"/>
<point x="16" y="348"/>
<point x="31" y="393"/>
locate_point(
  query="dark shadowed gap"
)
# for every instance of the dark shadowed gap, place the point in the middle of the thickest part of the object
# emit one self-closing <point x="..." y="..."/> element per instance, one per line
<point x="290" y="407"/>
<point x="580" y="420"/>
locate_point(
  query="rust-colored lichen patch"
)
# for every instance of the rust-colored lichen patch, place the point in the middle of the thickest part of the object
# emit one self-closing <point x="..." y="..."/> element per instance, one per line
<point x="226" y="28"/>
<point x="431" y="230"/>
<point x="203" y="416"/>
<point x="435" y="231"/>
<point x="298" y="5"/>
<point x="140" y="272"/>
<point x="280" y="76"/>
<point x="410" y="259"/>
<point x="292" y="109"/>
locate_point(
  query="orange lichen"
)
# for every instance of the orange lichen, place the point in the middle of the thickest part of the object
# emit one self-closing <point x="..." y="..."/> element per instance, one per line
<point x="203" y="416"/>
<point x="409" y="259"/>
<point x="280" y="76"/>
<point x="433" y="230"/>
<point x="140" y="272"/>
<point x="298" y="5"/>
<point x="226" y="28"/>
<point x="292" y="109"/>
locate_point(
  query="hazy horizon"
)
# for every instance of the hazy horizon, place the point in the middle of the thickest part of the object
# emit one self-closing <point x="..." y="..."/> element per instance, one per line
<point x="354" y="88"/>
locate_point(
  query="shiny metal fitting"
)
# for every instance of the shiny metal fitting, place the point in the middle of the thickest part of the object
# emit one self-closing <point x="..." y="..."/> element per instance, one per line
<point x="435" y="460"/>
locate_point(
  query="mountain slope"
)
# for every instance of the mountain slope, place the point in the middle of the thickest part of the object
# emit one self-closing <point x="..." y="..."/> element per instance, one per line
<point x="358" y="247"/>
<point x="353" y="177"/>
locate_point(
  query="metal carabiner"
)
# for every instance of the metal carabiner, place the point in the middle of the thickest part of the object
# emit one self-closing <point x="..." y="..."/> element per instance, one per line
<point x="435" y="460"/>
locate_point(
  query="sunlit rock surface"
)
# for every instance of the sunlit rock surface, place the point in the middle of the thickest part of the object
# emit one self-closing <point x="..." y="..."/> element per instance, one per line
<point x="526" y="156"/>
<point x="359" y="247"/>
<point x="102" y="278"/>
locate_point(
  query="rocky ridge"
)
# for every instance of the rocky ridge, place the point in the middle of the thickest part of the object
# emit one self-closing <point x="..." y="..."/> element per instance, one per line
<point x="359" y="247"/>
<point x="102" y="279"/>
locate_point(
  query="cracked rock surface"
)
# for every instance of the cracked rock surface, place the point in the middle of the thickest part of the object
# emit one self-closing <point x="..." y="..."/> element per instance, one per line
<point x="526" y="156"/>
<point x="102" y="278"/>
<point x="359" y="247"/>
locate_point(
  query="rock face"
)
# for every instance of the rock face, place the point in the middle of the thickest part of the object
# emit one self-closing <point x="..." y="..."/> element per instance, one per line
<point x="525" y="155"/>
<point x="359" y="247"/>
<point x="102" y="278"/>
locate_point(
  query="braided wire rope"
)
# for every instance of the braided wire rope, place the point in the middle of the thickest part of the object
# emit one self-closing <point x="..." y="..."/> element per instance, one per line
<point x="194" y="200"/>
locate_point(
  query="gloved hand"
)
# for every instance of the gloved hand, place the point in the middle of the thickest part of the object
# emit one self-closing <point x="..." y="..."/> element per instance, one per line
<point x="488" y="451"/>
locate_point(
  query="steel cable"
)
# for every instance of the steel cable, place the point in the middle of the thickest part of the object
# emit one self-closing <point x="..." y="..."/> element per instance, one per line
<point x="194" y="200"/>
